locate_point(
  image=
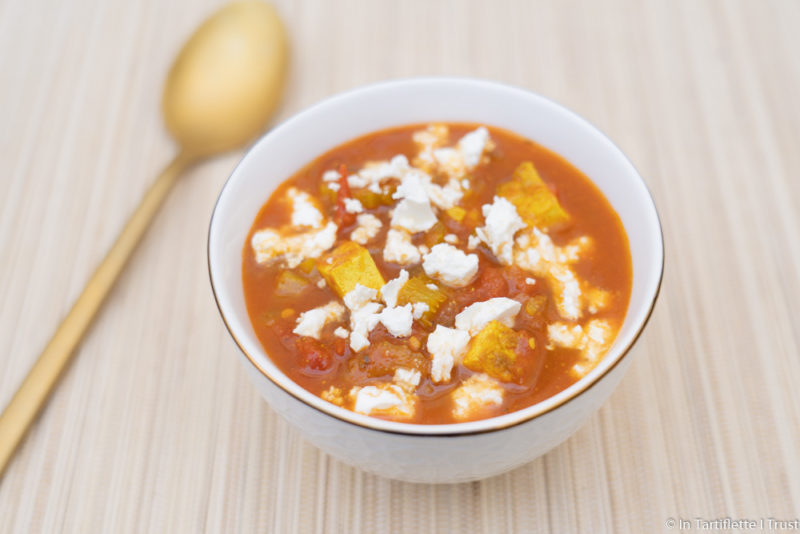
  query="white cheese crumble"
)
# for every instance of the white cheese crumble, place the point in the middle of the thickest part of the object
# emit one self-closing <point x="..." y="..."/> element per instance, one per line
<point x="530" y="281"/>
<point x="472" y="145"/>
<point x="341" y="332"/>
<point x="368" y="227"/>
<point x="321" y="283"/>
<point x="446" y="196"/>
<point x="359" y="296"/>
<point x="466" y="155"/>
<point x="593" y="340"/>
<point x="383" y="399"/>
<point x="451" y="238"/>
<point x="311" y="322"/>
<point x="536" y="252"/>
<point x="568" y="291"/>
<point x="331" y="176"/>
<point x="353" y="205"/>
<point x="419" y="309"/>
<point x="364" y="315"/>
<point x="446" y="346"/>
<point x="397" y="320"/>
<point x="407" y="378"/>
<point x="305" y="212"/>
<point x="477" y="393"/>
<point x="450" y="265"/>
<point x="374" y="173"/>
<point x="475" y="316"/>
<point x="390" y="290"/>
<point x="399" y="248"/>
<point x="333" y="395"/>
<point x="502" y="222"/>
<point x="432" y="287"/>
<point x="270" y="244"/>
<point x="413" y="212"/>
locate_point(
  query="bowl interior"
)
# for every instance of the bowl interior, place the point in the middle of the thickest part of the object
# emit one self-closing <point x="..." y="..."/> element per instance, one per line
<point x="297" y="141"/>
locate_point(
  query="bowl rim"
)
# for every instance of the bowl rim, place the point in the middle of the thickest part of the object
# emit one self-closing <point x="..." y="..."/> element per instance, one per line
<point x="524" y="415"/>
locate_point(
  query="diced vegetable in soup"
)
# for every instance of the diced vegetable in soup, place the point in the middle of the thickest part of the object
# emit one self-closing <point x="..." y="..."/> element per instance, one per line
<point x="437" y="274"/>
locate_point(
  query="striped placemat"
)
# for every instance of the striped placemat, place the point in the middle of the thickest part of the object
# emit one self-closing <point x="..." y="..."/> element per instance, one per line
<point x="155" y="427"/>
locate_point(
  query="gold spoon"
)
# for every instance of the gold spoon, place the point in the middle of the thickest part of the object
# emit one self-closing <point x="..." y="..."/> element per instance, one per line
<point x="219" y="95"/>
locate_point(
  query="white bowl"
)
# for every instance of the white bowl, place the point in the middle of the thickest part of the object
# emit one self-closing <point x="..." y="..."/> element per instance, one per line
<point x="432" y="453"/>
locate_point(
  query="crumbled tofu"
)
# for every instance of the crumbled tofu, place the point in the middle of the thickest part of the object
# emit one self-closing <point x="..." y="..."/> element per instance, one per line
<point x="397" y="320"/>
<point x="477" y="393"/>
<point x="384" y="399"/>
<point x="392" y="288"/>
<point x="407" y="378"/>
<point x="368" y="227"/>
<point x="475" y="316"/>
<point x="271" y="244"/>
<point x="593" y="340"/>
<point x="446" y="347"/>
<point x="451" y="238"/>
<point x="347" y="265"/>
<point x="364" y="315"/>
<point x="333" y="395"/>
<point x="305" y="212"/>
<point x="502" y="222"/>
<point x="311" y="322"/>
<point x="419" y="309"/>
<point x="341" y="332"/>
<point x="450" y="265"/>
<point x="399" y="248"/>
<point x="413" y="212"/>
<point x="353" y="205"/>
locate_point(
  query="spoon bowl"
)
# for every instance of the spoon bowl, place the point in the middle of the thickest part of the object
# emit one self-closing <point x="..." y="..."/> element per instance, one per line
<point x="221" y="91"/>
<point x="227" y="79"/>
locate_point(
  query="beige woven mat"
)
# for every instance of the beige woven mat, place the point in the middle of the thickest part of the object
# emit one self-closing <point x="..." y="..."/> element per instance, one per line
<point x="155" y="427"/>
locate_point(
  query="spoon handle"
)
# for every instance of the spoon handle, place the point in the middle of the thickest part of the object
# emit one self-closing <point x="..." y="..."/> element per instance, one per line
<point x="37" y="386"/>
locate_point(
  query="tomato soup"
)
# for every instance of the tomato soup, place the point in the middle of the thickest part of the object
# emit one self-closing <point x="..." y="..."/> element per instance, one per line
<point x="437" y="273"/>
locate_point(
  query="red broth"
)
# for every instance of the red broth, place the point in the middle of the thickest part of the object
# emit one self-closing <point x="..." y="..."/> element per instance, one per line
<point x="542" y="367"/>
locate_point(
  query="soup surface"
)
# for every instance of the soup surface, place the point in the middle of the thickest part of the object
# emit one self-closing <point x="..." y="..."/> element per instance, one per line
<point x="436" y="274"/>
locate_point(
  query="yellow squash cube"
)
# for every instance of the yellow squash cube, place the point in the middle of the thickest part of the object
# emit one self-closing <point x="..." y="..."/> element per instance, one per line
<point x="536" y="204"/>
<point x="347" y="265"/>
<point x="494" y="351"/>
<point x="418" y="289"/>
